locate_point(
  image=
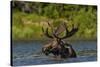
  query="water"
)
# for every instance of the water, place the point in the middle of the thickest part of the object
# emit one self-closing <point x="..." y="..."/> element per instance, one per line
<point x="29" y="53"/>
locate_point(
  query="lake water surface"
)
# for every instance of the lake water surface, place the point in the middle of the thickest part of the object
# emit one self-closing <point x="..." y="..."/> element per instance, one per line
<point x="29" y="53"/>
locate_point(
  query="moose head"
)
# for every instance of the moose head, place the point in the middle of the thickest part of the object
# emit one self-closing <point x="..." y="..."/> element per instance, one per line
<point x="58" y="47"/>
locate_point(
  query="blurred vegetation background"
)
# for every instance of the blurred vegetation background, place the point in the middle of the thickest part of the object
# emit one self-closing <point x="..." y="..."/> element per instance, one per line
<point x="29" y="17"/>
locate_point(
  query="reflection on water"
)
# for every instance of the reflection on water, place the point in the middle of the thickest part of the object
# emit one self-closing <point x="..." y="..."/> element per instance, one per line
<point x="29" y="53"/>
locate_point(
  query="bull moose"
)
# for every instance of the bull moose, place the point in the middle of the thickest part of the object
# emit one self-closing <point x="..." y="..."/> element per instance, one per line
<point x="58" y="47"/>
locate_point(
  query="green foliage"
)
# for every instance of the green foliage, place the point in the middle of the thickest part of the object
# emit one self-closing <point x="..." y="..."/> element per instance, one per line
<point x="88" y="23"/>
<point x="28" y="25"/>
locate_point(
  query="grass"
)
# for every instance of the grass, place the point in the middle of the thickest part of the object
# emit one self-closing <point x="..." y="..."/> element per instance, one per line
<point x="28" y="26"/>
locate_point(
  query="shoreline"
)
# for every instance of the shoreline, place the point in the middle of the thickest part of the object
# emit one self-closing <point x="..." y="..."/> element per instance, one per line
<point x="42" y="40"/>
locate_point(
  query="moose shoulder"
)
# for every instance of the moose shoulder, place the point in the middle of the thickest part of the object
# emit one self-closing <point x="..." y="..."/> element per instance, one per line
<point x="58" y="47"/>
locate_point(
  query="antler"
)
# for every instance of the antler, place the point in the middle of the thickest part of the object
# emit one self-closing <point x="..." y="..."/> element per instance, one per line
<point x="46" y="33"/>
<point x="68" y="33"/>
<point x="56" y="33"/>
